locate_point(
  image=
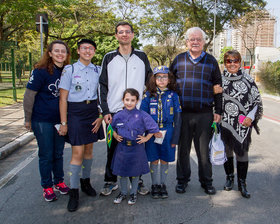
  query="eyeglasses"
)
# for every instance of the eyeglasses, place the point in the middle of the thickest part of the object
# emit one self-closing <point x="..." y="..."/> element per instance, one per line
<point x="163" y="78"/>
<point x="235" y="61"/>
<point x="195" y="39"/>
<point x="125" y="31"/>
<point x="87" y="48"/>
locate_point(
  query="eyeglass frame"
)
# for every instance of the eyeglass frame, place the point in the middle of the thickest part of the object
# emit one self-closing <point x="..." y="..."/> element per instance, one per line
<point x="192" y="40"/>
<point x="83" y="48"/>
<point x="163" y="78"/>
<point x="124" y="31"/>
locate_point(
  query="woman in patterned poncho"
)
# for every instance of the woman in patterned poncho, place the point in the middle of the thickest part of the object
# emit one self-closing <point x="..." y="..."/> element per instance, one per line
<point x="242" y="109"/>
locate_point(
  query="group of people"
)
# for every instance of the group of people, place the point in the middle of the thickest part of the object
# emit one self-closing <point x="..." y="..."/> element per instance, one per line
<point x="149" y="111"/>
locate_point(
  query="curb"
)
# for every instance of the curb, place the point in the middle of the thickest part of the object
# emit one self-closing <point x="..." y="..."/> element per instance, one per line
<point x="270" y="96"/>
<point x="17" y="143"/>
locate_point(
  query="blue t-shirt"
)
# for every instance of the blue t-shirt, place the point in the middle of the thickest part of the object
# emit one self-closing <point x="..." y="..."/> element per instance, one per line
<point x="46" y="105"/>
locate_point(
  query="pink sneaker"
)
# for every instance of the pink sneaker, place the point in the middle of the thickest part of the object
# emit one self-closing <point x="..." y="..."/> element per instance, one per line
<point x="49" y="195"/>
<point x="62" y="188"/>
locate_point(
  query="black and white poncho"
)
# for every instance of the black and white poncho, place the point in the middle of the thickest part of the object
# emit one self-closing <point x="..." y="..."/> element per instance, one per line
<point x="240" y="96"/>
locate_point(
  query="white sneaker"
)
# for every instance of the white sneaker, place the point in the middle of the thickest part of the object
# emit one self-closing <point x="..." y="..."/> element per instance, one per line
<point x="132" y="199"/>
<point x="119" y="198"/>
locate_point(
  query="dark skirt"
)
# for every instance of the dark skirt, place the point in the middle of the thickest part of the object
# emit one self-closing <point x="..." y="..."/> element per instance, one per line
<point x="233" y="144"/>
<point x="80" y="118"/>
<point x="130" y="161"/>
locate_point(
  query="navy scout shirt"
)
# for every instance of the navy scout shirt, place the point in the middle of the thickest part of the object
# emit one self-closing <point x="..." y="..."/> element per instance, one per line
<point x="46" y="105"/>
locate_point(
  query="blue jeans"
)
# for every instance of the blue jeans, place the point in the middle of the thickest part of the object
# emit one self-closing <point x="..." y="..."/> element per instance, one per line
<point x="51" y="146"/>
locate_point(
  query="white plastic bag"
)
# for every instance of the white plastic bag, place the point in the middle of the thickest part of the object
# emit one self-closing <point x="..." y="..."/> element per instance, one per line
<point x="217" y="149"/>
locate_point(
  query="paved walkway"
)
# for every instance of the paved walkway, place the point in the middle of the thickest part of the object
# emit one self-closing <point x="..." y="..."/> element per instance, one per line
<point x="12" y="132"/>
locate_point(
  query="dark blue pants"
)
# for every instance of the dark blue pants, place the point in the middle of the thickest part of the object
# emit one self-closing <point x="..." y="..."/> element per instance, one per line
<point x="51" y="146"/>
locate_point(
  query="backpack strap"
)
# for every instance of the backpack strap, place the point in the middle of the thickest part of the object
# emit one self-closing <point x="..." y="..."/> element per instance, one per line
<point x="72" y="68"/>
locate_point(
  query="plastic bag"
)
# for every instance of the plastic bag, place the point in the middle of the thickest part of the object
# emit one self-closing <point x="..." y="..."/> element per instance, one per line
<point x="160" y="140"/>
<point x="217" y="147"/>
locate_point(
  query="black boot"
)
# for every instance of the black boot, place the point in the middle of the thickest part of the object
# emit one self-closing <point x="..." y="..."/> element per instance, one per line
<point x="229" y="169"/>
<point x="229" y="182"/>
<point x="87" y="188"/>
<point x="228" y="166"/>
<point x="73" y="202"/>
<point x="242" y="168"/>
<point x="242" y="188"/>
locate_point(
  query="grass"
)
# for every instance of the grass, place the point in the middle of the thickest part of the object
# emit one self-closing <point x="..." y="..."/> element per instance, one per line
<point x="9" y="80"/>
<point x="6" y="96"/>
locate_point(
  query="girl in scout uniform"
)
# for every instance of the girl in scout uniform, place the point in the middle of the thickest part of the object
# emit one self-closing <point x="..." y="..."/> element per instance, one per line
<point x="162" y="103"/>
<point x="130" y="159"/>
<point x="80" y="118"/>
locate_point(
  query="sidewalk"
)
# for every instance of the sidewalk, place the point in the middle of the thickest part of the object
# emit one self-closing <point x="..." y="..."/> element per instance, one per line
<point x="14" y="135"/>
<point x="12" y="132"/>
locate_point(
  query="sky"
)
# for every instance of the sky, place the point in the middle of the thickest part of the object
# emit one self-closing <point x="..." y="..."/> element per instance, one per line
<point x="274" y="8"/>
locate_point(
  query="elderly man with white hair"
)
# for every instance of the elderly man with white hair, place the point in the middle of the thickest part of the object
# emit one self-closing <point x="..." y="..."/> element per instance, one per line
<point x="196" y="73"/>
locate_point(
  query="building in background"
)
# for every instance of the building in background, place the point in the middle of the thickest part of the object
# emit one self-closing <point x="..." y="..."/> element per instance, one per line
<point x="260" y="33"/>
<point x="220" y="42"/>
<point x="265" y="54"/>
<point x="236" y="39"/>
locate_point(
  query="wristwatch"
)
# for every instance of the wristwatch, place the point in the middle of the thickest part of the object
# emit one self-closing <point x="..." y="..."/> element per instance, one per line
<point x="63" y="123"/>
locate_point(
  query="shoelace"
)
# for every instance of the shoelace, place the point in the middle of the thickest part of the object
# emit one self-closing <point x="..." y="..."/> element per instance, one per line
<point x="49" y="191"/>
<point x="62" y="185"/>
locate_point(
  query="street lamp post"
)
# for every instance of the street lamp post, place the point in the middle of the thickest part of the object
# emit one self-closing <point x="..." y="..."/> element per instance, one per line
<point x="214" y="36"/>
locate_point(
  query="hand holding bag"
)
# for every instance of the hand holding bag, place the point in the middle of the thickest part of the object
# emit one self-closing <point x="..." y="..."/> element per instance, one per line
<point x="217" y="147"/>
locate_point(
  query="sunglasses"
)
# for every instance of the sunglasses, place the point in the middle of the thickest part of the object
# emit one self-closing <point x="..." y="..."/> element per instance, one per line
<point x="235" y="61"/>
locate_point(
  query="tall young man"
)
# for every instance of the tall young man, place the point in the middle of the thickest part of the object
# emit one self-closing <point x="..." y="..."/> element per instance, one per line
<point x="122" y="68"/>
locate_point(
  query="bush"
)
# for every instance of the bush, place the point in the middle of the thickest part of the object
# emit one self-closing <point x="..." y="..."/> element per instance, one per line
<point x="270" y="77"/>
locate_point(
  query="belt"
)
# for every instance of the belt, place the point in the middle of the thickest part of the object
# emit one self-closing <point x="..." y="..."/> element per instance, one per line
<point x="88" y="101"/>
<point x="85" y="101"/>
<point x="128" y="142"/>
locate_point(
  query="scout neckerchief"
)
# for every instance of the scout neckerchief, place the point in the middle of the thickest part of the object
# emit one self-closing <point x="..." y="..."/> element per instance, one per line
<point x="160" y="113"/>
<point x="240" y="96"/>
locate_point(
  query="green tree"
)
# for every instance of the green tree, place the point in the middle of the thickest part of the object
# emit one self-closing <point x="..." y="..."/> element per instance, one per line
<point x="250" y="36"/>
<point x="223" y="51"/>
<point x="17" y="16"/>
<point x="269" y="75"/>
<point x="169" y="19"/>
<point x="160" y="55"/>
<point x="78" y="19"/>
<point x="69" y="20"/>
<point x="106" y="44"/>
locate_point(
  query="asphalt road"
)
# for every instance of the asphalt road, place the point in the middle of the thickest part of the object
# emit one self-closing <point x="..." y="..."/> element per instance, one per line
<point x="21" y="198"/>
